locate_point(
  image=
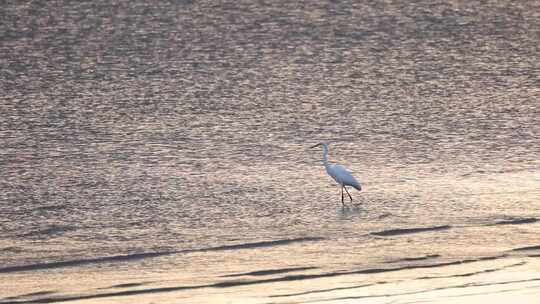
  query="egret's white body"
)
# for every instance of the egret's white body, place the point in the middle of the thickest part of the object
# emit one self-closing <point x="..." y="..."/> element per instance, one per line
<point x="338" y="173"/>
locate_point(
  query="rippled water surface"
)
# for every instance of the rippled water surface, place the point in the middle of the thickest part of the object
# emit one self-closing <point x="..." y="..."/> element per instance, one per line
<point x="159" y="150"/>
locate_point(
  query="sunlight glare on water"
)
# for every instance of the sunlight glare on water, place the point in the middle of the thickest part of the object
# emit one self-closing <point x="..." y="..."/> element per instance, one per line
<point x="158" y="151"/>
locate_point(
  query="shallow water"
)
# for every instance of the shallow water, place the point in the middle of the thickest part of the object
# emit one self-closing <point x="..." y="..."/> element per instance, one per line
<point x="160" y="150"/>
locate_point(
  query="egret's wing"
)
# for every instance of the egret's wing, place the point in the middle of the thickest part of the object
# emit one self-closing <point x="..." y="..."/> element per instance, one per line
<point x="342" y="176"/>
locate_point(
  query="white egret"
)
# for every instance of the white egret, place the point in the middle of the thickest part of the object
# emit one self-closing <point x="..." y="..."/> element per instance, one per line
<point x="339" y="174"/>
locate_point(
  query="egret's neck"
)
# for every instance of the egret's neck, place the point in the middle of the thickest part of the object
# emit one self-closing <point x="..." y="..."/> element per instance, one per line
<point x="325" y="156"/>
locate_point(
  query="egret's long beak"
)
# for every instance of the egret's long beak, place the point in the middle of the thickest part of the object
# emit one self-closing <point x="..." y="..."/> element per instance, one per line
<point x="319" y="144"/>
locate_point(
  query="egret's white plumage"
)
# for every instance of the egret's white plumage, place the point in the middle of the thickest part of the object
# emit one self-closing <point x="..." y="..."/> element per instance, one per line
<point x="339" y="173"/>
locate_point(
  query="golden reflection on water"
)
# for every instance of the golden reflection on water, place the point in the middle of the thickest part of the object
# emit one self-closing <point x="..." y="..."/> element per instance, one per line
<point x="497" y="281"/>
<point x="156" y="151"/>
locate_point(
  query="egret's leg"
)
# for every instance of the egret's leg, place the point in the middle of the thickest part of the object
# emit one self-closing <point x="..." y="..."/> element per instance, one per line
<point x="347" y="192"/>
<point x="342" y="195"/>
